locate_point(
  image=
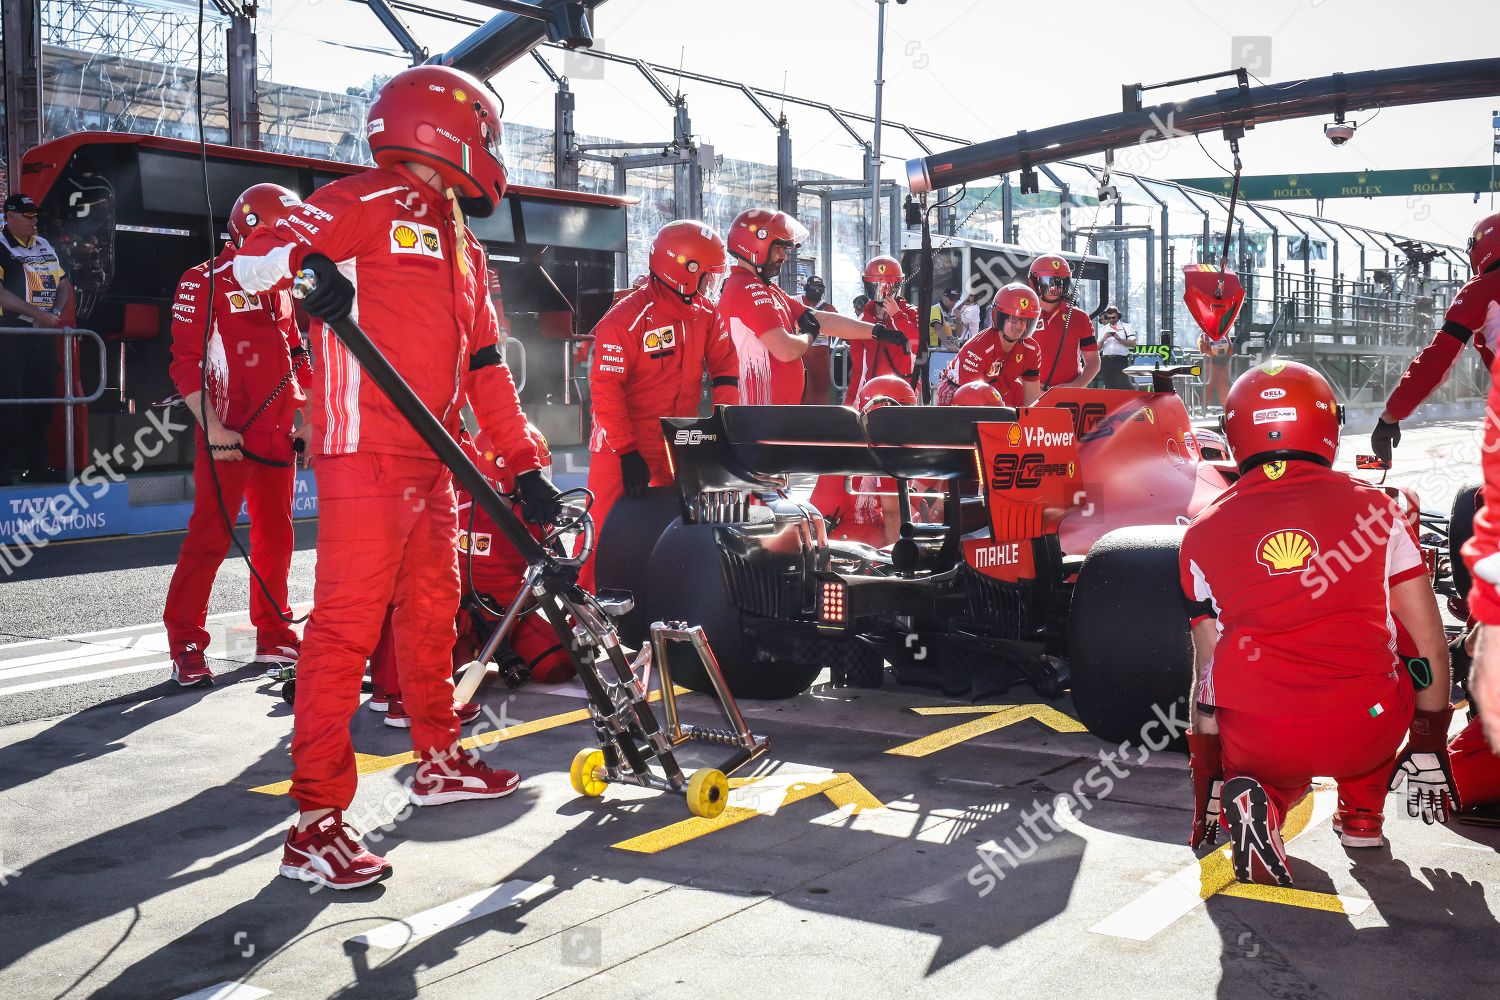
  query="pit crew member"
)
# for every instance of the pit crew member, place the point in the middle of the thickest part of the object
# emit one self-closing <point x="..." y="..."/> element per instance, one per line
<point x="813" y="290"/>
<point x="770" y="329"/>
<point x="1004" y="354"/>
<point x="870" y="358"/>
<point x="1475" y="309"/>
<point x="650" y="351"/>
<point x="244" y="399"/>
<point x="1292" y="577"/>
<point x="1218" y="353"/>
<point x="1070" y="353"/>
<point x="872" y="513"/>
<point x="389" y="247"/>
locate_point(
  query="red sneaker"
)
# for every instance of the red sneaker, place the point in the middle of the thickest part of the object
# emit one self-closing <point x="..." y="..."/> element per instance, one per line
<point x="1259" y="855"/>
<point x="1358" y="827"/>
<point x="379" y="700"/>
<point x="189" y="670"/>
<point x="329" y="853"/>
<point x="395" y="713"/>
<point x="467" y="711"/>
<point x="458" y="777"/>
<point x="281" y="655"/>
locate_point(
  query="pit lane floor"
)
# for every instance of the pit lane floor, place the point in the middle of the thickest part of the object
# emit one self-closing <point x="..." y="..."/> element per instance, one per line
<point x="139" y="841"/>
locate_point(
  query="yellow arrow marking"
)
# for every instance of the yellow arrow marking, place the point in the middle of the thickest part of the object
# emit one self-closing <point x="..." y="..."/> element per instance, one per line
<point x="992" y="717"/>
<point x="365" y="763"/>
<point x="843" y="790"/>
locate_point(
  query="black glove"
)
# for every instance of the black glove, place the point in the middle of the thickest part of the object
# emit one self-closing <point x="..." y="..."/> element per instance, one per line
<point x="809" y="323"/>
<point x="538" y="497"/>
<point x="635" y="473"/>
<point x="895" y="338"/>
<point x="332" y="297"/>
<point x="1384" y="438"/>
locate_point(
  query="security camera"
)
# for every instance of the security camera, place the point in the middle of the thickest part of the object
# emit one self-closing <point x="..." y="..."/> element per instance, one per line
<point x="1340" y="132"/>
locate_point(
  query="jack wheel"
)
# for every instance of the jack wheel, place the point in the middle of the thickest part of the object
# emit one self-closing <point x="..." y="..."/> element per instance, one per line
<point x="707" y="793"/>
<point x="582" y="774"/>
<point x="289" y="692"/>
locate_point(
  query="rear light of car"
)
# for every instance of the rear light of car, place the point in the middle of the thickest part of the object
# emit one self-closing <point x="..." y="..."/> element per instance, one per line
<point x="834" y="598"/>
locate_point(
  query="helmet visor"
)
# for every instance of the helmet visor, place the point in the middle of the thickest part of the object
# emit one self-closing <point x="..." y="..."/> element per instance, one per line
<point x="710" y="285"/>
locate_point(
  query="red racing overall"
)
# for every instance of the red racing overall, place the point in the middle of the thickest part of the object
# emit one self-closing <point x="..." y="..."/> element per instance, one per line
<point x="250" y="379"/>
<point x="387" y="522"/>
<point x="1295" y="562"/>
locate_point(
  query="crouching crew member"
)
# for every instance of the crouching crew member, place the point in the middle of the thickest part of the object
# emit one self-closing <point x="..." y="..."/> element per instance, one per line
<point x="244" y="395"/>
<point x="1005" y="354"/>
<point x="650" y="351"/>
<point x="389" y="247"/>
<point x="772" y="330"/>
<point x="1475" y="310"/>
<point x="1292" y="576"/>
<point x="872" y="358"/>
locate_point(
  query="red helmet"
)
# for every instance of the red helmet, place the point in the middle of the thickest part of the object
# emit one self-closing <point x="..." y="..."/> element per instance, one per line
<point x="446" y="119"/>
<point x="1484" y="244"/>
<point x="1051" y="271"/>
<point x="884" y="390"/>
<point x="688" y="257"/>
<point x="1016" y="299"/>
<point x="756" y="230"/>
<point x="977" y="393"/>
<point x="1279" y="410"/>
<point x="262" y="205"/>
<point x="884" y="273"/>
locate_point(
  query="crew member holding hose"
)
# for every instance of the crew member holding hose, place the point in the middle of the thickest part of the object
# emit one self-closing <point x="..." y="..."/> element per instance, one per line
<point x="389" y="249"/>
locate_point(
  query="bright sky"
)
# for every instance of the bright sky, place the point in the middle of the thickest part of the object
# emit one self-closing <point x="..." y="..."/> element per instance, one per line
<point x="979" y="69"/>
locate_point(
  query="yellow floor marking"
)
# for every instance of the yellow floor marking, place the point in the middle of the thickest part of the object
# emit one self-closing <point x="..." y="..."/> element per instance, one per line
<point x="365" y="763"/>
<point x="843" y="790"/>
<point x="992" y="717"/>
<point x="1213" y="875"/>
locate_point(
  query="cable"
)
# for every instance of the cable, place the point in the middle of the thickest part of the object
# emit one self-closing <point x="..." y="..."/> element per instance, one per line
<point x="1210" y="156"/>
<point x="208" y="325"/>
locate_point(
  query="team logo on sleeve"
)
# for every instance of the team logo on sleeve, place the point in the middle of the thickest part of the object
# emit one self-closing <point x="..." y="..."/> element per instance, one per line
<point x="1286" y="551"/>
<point x="660" y="341"/>
<point x="240" y="302"/>
<point x="416" y="239"/>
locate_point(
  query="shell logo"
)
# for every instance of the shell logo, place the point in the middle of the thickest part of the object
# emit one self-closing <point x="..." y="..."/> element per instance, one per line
<point x="460" y="96"/>
<point x="1286" y="551"/>
<point x="405" y="237"/>
<point x="652" y="342"/>
<point x="1015" y="435"/>
<point x="237" y="300"/>
<point x="1274" y="470"/>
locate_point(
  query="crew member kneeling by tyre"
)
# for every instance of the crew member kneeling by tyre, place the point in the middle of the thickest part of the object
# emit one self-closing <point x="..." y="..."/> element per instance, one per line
<point x="389" y="247"/>
<point x="1292" y="576"/>
<point x="1005" y="355"/>
<point x="650" y="350"/>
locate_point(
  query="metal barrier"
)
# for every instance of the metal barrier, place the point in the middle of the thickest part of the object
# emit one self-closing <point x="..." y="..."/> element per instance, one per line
<point x="67" y="399"/>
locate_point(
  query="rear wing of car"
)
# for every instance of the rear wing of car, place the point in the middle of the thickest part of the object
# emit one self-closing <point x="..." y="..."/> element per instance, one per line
<point x="754" y="448"/>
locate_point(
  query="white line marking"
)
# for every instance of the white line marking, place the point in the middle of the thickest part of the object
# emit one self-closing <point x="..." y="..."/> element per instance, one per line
<point x="8" y="672"/>
<point x="400" y="933"/>
<point x="228" y="991"/>
<point x="298" y="610"/>
<point x="81" y="678"/>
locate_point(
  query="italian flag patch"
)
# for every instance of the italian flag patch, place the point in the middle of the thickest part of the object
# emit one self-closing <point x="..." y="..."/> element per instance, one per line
<point x="1376" y="710"/>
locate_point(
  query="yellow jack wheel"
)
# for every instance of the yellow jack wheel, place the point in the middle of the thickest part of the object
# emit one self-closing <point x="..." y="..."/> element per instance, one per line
<point x="707" y="793"/>
<point x="585" y="763"/>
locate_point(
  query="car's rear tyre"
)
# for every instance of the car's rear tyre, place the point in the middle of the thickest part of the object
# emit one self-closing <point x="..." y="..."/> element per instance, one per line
<point x="1130" y="649"/>
<point x="1466" y="503"/>
<point x="688" y="585"/>
<point x="622" y="559"/>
